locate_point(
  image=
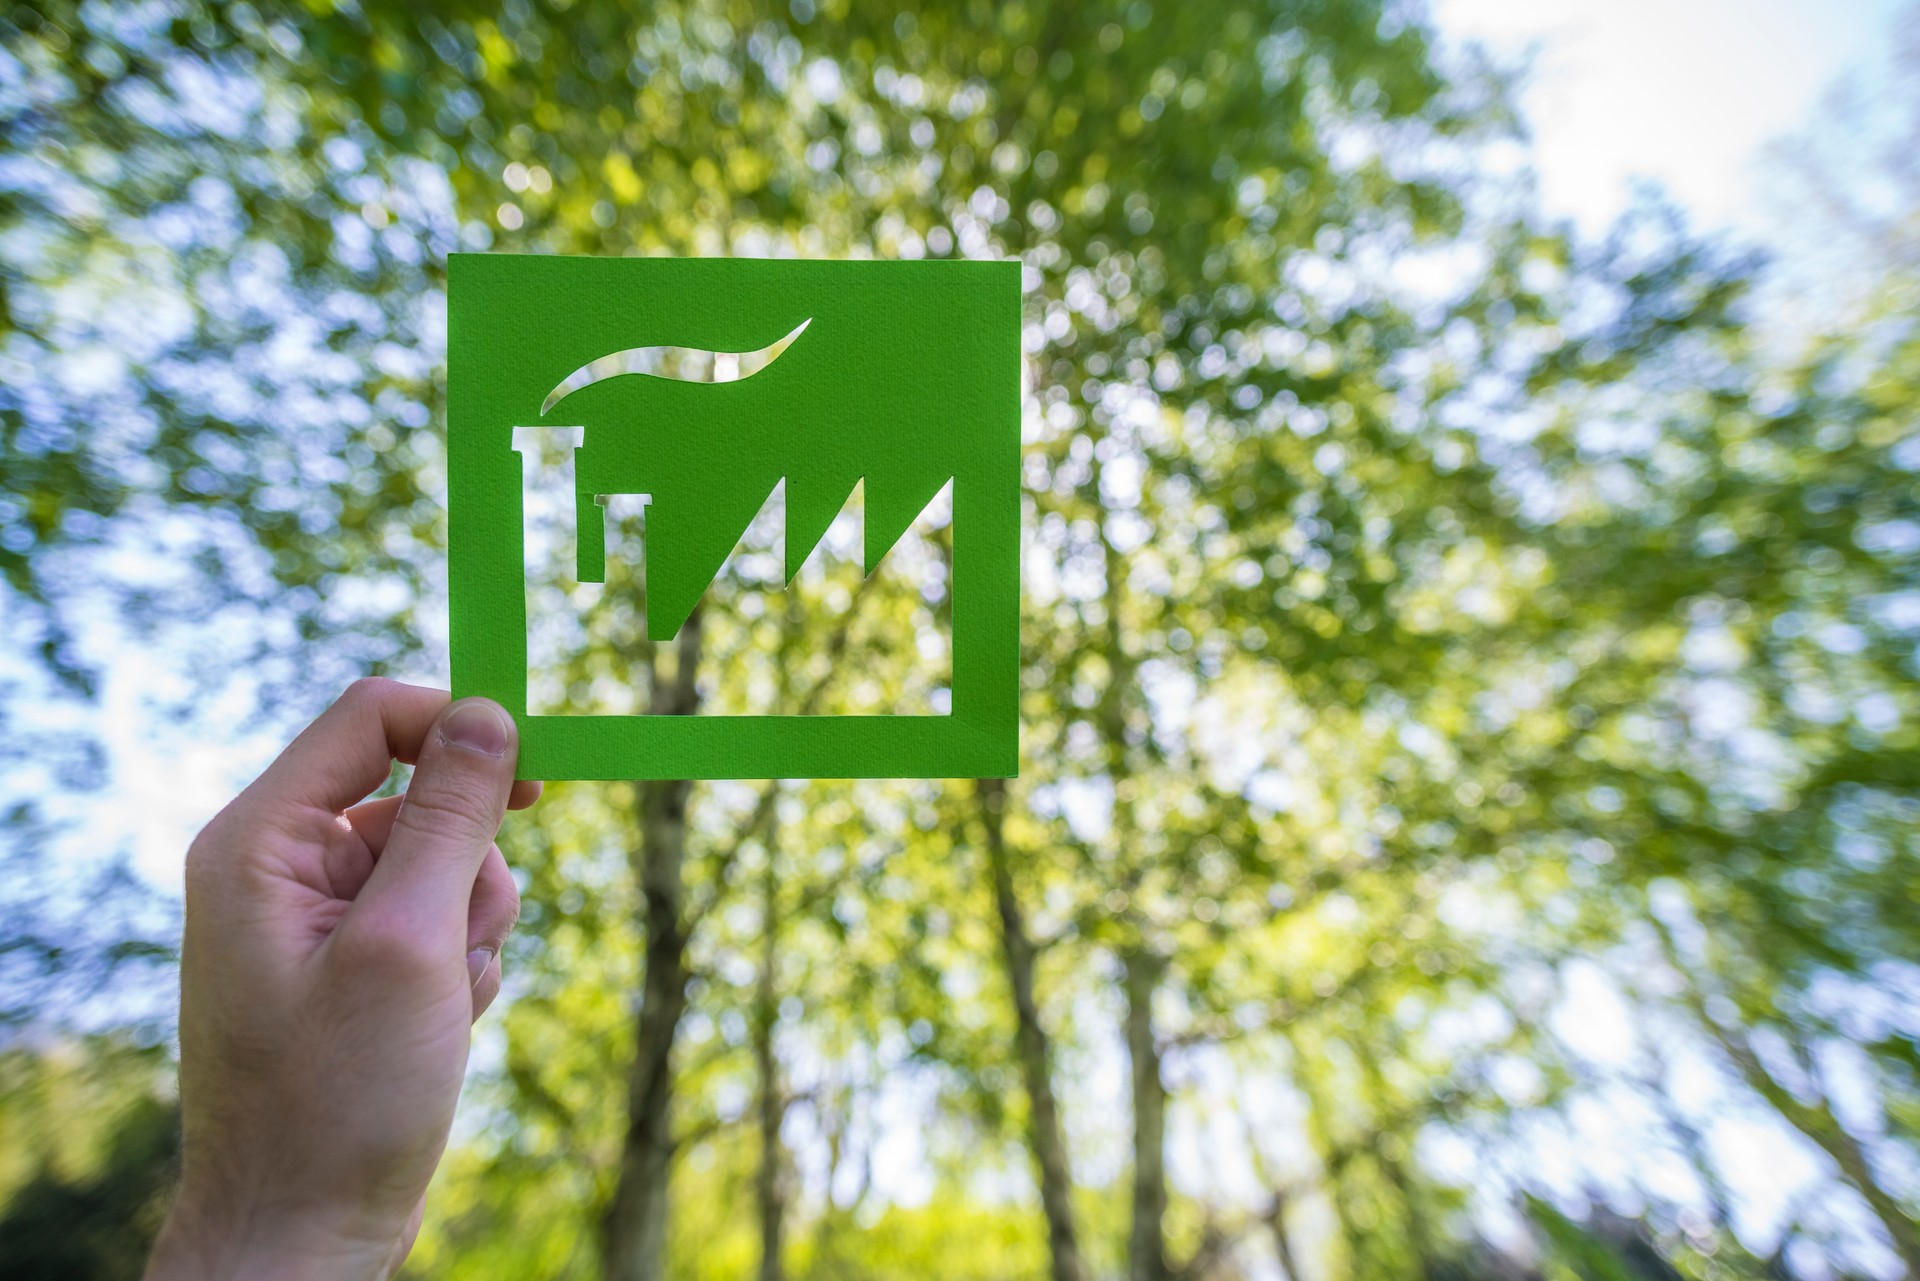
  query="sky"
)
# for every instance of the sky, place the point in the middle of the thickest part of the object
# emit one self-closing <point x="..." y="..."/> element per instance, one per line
<point x="1685" y="92"/>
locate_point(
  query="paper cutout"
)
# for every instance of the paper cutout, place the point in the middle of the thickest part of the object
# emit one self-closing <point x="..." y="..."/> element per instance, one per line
<point x="767" y="650"/>
<point x="683" y="364"/>
<point x="657" y="388"/>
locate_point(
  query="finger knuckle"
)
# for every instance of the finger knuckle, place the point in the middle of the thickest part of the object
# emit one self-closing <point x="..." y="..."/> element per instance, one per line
<point x="386" y="944"/>
<point x="458" y="808"/>
<point x="501" y="919"/>
<point x="195" y="874"/>
<point x="369" y="691"/>
<point x="205" y="850"/>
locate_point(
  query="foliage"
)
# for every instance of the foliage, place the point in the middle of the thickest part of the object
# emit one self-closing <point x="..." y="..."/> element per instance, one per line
<point x="89" y="1136"/>
<point x="1423" y="611"/>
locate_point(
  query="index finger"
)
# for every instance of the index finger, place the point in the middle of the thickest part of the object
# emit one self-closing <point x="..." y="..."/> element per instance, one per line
<point x="349" y="751"/>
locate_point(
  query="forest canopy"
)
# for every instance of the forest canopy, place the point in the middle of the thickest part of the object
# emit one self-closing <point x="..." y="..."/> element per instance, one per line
<point x="1468" y="821"/>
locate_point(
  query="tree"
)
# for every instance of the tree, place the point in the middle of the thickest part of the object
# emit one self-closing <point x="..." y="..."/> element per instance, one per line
<point x="1393" y="561"/>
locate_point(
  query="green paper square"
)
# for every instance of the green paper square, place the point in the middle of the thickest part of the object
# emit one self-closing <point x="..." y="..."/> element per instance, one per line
<point x="905" y="375"/>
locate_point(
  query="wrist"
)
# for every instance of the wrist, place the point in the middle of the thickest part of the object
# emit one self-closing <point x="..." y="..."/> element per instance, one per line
<point x="209" y="1239"/>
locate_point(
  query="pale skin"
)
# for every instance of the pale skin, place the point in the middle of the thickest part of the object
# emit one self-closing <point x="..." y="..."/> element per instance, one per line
<point x="338" y="951"/>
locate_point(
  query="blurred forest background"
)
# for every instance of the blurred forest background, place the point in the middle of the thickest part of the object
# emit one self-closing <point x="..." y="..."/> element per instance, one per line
<point x="1469" y="814"/>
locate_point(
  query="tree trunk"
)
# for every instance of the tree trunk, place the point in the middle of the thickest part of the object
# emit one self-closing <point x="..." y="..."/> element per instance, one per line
<point x="1852" y="1160"/>
<point x="1275" y="1215"/>
<point x="1815" y="1120"/>
<point x="635" y="1227"/>
<point x="1146" y="1243"/>
<point x="1384" y="1149"/>
<point x="1030" y="1042"/>
<point x="1282" y="1237"/>
<point x="1693" y="1144"/>
<point x="769" y="1183"/>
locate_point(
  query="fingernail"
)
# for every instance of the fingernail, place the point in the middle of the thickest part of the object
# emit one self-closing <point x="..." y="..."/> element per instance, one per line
<point x="478" y="726"/>
<point x="477" y="962"/>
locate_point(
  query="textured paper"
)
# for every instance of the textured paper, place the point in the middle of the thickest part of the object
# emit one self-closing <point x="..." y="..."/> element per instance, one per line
<point x="901" y="375"/>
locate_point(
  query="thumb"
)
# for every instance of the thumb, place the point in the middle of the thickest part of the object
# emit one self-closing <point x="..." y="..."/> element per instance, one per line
<point x="447" y="821"/>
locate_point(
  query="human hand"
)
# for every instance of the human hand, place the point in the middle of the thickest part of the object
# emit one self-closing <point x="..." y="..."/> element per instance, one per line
<point x="336" y="956"/>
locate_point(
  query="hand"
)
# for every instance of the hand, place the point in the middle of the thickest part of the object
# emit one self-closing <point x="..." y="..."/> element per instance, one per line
<point x="336" y="956"/>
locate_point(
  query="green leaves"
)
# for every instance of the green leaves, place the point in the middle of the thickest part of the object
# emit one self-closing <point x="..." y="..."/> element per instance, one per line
<point x="1416" y="601"/>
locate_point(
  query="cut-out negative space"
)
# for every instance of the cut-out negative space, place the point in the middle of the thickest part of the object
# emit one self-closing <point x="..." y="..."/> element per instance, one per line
<point x="821" y="458"/>
<point x="829" y="639"/>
